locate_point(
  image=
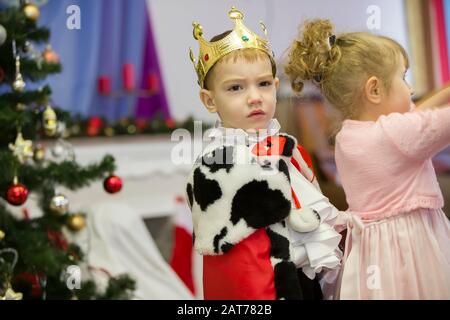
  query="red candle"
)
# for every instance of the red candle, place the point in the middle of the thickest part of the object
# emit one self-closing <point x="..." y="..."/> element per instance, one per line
<point x="153" y="82"/>
<point x="128" y="76"/>
<point x="94" y="126"/>
<point x="104" y="85"/>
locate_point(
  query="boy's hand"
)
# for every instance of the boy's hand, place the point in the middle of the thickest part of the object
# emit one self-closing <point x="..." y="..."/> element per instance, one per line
<point x="304" y="220"/>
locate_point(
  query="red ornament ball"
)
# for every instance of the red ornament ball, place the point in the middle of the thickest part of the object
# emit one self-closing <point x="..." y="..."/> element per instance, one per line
<point x="112" y="184"/>
<point x="2" y="75"/>
<point x="33" y="281"/>
<point x="58" y="239"/>
<point x="170" y="123"/>
<point x="17" y="194"/>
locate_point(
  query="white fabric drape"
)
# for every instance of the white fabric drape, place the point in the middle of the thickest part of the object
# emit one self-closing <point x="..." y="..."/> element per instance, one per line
<point x="117" y="240"/>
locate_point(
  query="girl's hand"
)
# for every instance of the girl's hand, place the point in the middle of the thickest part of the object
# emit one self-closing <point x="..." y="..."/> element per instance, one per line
<point x="437" y="99"/>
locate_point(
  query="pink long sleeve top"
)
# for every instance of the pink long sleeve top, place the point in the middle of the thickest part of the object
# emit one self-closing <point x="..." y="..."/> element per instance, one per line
<point x="385" y="165"/>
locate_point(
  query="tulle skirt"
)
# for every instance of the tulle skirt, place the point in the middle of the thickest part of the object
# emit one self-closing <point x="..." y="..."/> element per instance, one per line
<point x="402" y="257"/>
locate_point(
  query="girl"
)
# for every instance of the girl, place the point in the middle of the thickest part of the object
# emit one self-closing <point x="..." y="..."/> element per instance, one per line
<point x="397" y="242"/>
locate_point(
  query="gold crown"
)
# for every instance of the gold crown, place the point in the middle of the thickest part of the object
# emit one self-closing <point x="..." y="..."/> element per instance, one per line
<point x="239" y="38"/>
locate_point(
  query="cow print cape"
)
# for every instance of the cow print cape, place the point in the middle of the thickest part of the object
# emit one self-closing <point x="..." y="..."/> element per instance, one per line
<point x="235" y="190"/>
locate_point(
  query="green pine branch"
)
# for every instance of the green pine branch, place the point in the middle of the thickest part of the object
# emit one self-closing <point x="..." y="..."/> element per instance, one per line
<point x="21" y="28"/>
<point x="39" y="96"/>
<point x="68" y="174"/>
<point x="43" y="253"/>
<point x="30" y="69"/>
<point x="119" y="288"/>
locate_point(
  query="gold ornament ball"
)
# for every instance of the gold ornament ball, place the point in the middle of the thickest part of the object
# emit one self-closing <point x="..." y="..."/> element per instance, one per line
<point x="50" y="121"/>
<point x="75" y="130"/>
<point x="50" y="128"/>
<point x="31" y="11"/>
<point x="20" y="107"/>
<point x="2" y="235"/>
<point x="124" y="122"/>
<point x="59" y="204"/>
<point x="76" y="222"/>
<point x="131" y="129"/>
<point x="39" y="153"/>
<point x="110" y="132"/>
<point x="50" y="56"/>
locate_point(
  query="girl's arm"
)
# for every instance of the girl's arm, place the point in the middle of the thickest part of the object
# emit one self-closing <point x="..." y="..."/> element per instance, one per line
<point x="418" y="135"/>
<point x="437" y="99"/>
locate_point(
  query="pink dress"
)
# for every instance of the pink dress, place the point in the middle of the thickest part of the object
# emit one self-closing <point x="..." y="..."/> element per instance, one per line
<point x="398" y="238"/>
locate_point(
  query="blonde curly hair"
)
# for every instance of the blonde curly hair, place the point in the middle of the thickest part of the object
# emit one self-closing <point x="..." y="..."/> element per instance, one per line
<point x="341" y="65"/>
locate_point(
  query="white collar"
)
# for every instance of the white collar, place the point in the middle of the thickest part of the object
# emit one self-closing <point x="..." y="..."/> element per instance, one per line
<point x="232" y="134"/>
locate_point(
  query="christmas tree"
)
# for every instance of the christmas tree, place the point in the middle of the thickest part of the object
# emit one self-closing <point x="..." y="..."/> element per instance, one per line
<point x="35" y="255"/>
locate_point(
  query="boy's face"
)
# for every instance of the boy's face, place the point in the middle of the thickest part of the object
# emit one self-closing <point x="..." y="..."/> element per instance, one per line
<point x="243" y="93"/>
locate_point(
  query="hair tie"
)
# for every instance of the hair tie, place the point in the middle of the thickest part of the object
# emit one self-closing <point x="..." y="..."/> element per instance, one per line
<point x="332" y="40"/>
<point x="318" y="78"/>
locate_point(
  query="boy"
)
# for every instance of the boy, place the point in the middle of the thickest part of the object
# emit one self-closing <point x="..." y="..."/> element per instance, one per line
<point x="239" y="190"/>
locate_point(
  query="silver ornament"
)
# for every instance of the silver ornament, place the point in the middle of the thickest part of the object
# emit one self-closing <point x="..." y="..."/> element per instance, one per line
<point x="18" y="84"/>
<point x="63" y="151"/>
<point x="27" y="46"/>
<point x="62" y="130"/>
<point x="59" y="204"/>
<point x="3" y="35"/>
<point x="58" y="150"/>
